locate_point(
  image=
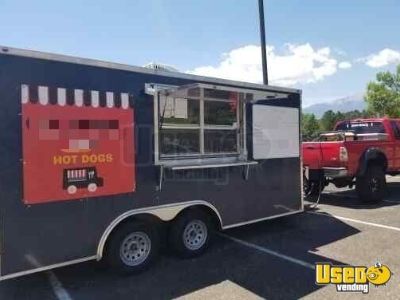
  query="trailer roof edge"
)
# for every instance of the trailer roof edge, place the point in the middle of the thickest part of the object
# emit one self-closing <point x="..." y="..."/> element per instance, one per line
<point x="119" y="66"/>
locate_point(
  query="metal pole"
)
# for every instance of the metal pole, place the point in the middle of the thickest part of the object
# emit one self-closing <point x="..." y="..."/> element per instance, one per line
<point x="263" y="44"/>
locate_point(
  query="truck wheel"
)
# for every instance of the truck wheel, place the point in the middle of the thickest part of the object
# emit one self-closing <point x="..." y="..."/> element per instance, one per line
<point x="189" y="234"/>
<point x="312" y="188"/>
<point x="72" y="189"/>
<point x="92" y="187"/>
<point x="133" y="248"/>
<point x="371" y="187"/>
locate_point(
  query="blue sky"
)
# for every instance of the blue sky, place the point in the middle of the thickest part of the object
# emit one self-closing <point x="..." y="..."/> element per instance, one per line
<point x="330" y="49"/>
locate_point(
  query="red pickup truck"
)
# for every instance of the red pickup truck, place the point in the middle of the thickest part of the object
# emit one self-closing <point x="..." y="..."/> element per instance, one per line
<point x="357" y="152"/>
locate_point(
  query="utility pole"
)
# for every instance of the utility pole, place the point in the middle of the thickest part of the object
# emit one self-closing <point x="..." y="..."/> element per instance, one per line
<point x="263" y="44"/>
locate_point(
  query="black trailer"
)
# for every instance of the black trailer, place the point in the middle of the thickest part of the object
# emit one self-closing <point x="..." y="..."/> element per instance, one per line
<point x="103" y="160"/>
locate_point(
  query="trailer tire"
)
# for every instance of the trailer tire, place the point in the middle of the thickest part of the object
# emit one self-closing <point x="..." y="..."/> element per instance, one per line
<point x="371" y="186"/>
<point x="133" y="248"/>
<point x="190" y="233"/>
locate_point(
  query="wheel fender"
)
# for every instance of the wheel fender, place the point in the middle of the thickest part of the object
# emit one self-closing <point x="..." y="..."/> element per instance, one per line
<point x="164" y="213"/>
<point x="371" y="154"/>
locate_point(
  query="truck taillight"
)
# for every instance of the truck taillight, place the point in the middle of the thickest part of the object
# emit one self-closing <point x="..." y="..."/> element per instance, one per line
<point x="343" y="155"/>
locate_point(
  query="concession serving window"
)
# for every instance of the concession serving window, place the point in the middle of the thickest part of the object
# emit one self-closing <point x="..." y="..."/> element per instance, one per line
<point x="199" y="122"/>
<point x="201" y="126"/>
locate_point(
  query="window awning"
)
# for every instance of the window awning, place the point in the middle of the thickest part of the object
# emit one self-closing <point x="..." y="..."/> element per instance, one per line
<point x="193" y="90"/>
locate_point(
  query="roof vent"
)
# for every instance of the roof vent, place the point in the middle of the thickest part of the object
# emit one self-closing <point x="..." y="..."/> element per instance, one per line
<point x="162" y="67"/>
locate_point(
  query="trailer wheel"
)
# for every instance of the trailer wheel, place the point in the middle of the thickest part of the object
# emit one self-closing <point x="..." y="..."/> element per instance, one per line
<point x="189" y="233"/>
<point x="371" y="186"/>
<point x="133" y="248"/>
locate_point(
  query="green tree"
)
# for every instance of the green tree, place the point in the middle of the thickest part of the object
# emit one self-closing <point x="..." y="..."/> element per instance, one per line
<point x="328" y="120"/>
<point x="356" y="114"/>
<point x="383" y="95"/>
<point x="310" y="127"/>
<point x="340" y="116"/>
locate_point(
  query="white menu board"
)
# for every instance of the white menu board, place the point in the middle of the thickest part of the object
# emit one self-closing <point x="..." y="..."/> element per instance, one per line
<point x="275" y="132"/>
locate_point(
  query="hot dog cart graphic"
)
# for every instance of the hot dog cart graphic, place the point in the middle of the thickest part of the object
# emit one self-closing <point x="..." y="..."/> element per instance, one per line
<point x="74" y="143"/>
<point x="74" y="179"/>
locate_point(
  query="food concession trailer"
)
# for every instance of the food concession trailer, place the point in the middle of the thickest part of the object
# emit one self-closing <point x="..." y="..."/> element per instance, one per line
<point x="107" y="161"/>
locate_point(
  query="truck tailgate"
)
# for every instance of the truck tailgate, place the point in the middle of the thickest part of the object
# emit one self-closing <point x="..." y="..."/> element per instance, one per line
<point x="312" y="155"/>
<point x="317" y="155"/>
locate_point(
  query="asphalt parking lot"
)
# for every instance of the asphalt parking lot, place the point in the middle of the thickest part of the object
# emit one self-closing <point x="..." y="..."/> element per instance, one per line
<point x="272" y="259"/>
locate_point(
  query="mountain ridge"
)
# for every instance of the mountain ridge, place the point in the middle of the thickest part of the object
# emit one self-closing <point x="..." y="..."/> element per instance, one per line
<point x="345" y="104"/>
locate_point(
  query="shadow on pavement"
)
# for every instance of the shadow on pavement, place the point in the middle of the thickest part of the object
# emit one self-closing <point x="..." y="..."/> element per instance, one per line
<point x="248" y="269"/>
<point x="348" y="198"/>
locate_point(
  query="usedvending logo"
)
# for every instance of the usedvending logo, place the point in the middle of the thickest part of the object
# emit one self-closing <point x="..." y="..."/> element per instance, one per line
<point x="352" y="278"/>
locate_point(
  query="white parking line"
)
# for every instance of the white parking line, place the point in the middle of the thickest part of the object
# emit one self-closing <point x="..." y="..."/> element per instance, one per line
<point x="58" y="289"/>
<point x="268" y="251"/>
<point x="356" y="221"/>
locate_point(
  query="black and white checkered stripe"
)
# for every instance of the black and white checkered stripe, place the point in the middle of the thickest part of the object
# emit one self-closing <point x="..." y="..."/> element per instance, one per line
<point x="62" y="96"/>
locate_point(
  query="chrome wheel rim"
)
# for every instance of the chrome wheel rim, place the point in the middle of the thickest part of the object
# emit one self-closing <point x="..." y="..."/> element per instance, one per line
<point x="135" y="248"/>
<point x="195" y="235"/>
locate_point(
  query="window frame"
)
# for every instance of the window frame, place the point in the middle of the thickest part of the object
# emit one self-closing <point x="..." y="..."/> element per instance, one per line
<point x="202" y="127"/>
<point x="395" y="125"/>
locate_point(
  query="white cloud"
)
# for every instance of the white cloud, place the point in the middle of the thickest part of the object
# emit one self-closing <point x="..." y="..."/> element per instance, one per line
<point x="382" y="58"/>
<point x="344" y="65"/>
<point x="295" y="65"/>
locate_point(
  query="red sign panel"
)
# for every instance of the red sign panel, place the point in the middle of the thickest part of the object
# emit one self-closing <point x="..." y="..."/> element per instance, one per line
<point x="74" y="152"/>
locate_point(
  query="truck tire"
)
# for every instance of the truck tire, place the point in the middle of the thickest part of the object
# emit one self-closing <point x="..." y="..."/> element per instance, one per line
<point x="312" y="188"/>
<point x="371" y="186"/>
<point x="189" y="234"/>
<point x="133" y="248"/>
